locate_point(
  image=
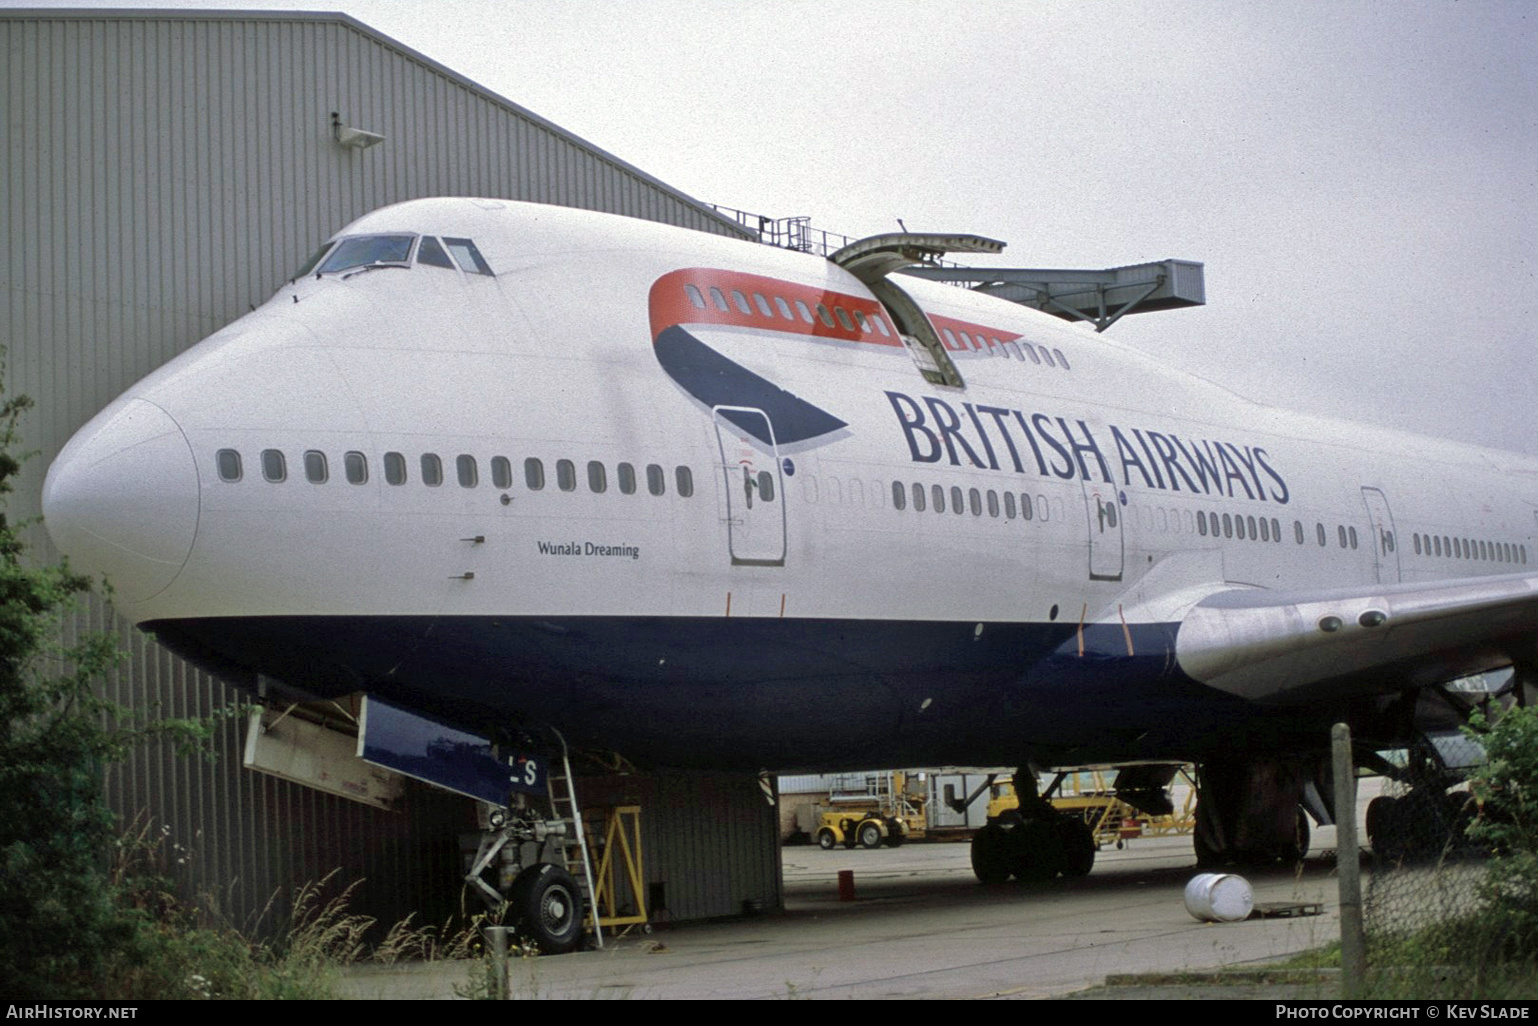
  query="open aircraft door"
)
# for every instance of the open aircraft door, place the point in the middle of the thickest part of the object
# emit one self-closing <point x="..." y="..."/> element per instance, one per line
<point x="755" y="499"/>
<point x="1103" y="505"/>
<point x="1386" y="545"/>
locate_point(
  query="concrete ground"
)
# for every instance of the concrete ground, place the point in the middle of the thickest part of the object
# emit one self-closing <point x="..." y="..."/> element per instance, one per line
<point x="921" y="926"/>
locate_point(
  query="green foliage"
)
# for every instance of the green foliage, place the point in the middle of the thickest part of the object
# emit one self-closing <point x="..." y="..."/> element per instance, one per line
<point x="61" y="922"/>
<point x="1506" y="787"/>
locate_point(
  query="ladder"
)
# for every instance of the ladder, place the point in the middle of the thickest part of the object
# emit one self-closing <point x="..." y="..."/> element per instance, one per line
<point x="574" y="851"/>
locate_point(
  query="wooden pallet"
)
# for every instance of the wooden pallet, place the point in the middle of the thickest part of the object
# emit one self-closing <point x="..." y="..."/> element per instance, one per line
<point x="1286" y="909"/>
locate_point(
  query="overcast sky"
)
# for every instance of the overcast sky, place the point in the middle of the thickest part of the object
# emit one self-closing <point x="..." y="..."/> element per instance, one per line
<point x="1359" y="178"/>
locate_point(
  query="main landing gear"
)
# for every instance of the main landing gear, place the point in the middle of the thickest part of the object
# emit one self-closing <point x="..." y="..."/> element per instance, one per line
<point x="1251" y="812"/>
<point x="1034" y="842"/>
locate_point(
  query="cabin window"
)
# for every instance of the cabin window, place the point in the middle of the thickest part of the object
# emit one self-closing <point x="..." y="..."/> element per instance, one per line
<point x="469" y="474"/>
<point x="993" y="503"/>
<point x="1417" y="538"/>
<point x="859" y="319"/>
<point x="975" y="502"/>
<point x="315" y="470"/>
<point x="899" y="496"/>
<point x="597" y="478"/>
<point x="626" y="474"/>
<point x="1009" y="505"/>
<point x="717" y="298"/>
<point x="765" y="486"/>
<point x="228" y="462"/>
<point x="938" y="494"/>
<point x="741" y="302"/>
<point x="274" y="466"/>
<point x="806" y="315"/>
<point x="1265" y="533"/>
<point x="395" y="468"/>
<point x="762" y="304"/>
<point x="824" y="316"/>
<point x="656" y="481"/>
<point x="918" y="498"/>
<point x="1201" y="522"/>
<point x="684" y="479"/>
<point x="843" y="318"/>
<point x="1030" y="351"/>
<point x="1276" y="530"/>
<point x="533" y="474"/>
<point x="950" y="340"/>
<point x="784" y="308"/>
<point x="957" y="501"/>
<point x="469" y="256"/>
<point x="430" y="252"/>
<point x="432" y="469"/>
<point x="1251" y="521"/>
<point x="1238" y="527"/>
<point x="1026" y="512"/>
<point x="880" y="323"/>
<point x="1062" y="361"/>
<point x="1351" y="532"/>
<point x="566" y="475"/>
<point x="694" y="297"/>
<point x="501" y="472"/>
<point x="1319" y="531"/>
<point x="355" y="468"/>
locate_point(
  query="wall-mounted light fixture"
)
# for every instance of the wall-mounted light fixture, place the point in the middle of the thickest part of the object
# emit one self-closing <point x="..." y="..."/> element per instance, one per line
<point x="352" y="138"/>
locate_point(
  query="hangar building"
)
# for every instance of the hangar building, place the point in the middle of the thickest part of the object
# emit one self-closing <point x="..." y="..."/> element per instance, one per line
<point x="162" y="174"/>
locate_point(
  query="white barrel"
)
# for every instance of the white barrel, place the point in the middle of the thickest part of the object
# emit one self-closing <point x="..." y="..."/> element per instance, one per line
<point x="1219" y="898"/>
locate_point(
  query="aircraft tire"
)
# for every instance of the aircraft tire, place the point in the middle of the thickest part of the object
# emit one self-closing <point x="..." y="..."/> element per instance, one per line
<point x="992" y="854"/>
<point x="1038" y="851"/>
<point x="825" y="839"/>
<point x="1078" y="845"/>
<point x="547" y="908"/>
<point x="870" y="834"/>
<point x="894" y="840"/>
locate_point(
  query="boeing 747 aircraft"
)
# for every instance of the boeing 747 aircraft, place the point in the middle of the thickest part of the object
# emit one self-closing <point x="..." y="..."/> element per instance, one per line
<point x="709" y="503"/>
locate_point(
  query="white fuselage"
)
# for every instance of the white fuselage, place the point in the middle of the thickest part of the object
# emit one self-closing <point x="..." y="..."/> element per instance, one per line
<point x="1146" y="489"/>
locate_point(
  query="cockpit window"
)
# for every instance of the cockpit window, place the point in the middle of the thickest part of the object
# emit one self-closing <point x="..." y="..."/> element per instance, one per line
<point x="368" y="250"/>
<point x="309" y="265"/>
<point x="431" y="252"/>
<point x="470" y="259"/>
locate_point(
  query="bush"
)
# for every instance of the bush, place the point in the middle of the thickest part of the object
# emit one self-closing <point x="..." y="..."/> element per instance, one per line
<point x="61" y="921"/>
<point x="1506" y="788"/>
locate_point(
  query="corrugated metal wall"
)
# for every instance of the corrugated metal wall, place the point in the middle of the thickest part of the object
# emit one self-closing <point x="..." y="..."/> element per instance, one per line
<point x="163" y="173"/>
<point x="711" y="841"/>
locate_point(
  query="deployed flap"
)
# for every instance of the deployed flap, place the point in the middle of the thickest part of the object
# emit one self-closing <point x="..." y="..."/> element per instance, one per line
<point x="1266" y="645"/>
<point x="873" y="258"/>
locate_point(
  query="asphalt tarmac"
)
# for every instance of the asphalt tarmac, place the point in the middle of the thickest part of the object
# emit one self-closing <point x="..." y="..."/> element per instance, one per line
<point x="921" y="926"/>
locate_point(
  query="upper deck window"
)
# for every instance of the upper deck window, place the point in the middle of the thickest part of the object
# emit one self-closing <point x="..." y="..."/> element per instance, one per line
<point x="368" y="251"/>
<point x="470" y="259"/>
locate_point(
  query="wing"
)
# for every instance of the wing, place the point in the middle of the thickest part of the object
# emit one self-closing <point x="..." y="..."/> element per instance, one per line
<point x="1287" y="647"/>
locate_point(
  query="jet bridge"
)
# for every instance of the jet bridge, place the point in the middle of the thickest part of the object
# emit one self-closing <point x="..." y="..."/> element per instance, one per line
<point x="1100" y="297"/>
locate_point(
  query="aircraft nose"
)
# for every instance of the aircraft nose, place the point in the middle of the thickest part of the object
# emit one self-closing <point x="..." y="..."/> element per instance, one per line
<point x="122" y="499"/>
